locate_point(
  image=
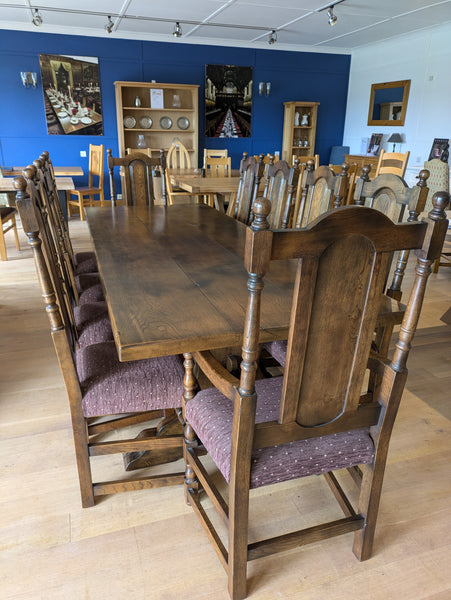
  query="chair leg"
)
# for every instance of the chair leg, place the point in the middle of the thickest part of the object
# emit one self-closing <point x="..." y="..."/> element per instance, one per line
<point x="436" y="265"/>
<point x="16" y="237"/>
<point x="238" y="540"/>
<point x="69" y="206"/>
<point x="3" y="255"/>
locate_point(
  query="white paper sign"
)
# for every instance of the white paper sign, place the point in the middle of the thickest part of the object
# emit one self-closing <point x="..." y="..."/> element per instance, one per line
<point x="156" y="98"/>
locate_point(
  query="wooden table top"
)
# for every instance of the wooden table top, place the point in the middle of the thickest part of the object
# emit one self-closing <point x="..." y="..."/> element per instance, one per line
<point x="175" y="281"/>
<point x="205" y="185"/>
<point x="62" y="183"/>
<point x="59" y="171"/>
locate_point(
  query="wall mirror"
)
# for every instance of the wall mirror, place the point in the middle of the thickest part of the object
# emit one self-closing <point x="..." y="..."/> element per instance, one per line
<point x="388" y="103"/>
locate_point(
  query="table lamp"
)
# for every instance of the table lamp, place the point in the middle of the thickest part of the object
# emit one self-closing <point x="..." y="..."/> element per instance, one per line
<point x="394" y="139"/>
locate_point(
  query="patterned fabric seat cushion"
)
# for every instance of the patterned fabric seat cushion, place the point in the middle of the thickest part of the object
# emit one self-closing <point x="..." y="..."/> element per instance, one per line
<point x="85" y="262"/>
<point x="110" y="387"/>
<point x="93" y="323"/>
<point x="211" y="415"/>
<point x="92" y="294"/>
<point x="86" y="280"/>
<point x="278" y="350"/>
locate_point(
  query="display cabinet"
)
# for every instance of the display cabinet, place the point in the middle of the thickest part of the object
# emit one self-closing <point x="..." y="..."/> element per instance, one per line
<point x="299" y="129"/>
<point x="151" y="116"/>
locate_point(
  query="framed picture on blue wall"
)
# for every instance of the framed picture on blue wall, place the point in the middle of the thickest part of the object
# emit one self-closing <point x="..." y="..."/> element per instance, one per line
<point x="228" y="101"/>
<point x="72" y="99"/>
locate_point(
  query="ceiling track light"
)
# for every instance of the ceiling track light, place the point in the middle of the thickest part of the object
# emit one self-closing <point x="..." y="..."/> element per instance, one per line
<point x="177" y="30"/>
<point x="109" y="26"/>
<point x="37" y="19"/>
<point x="272" y="37"/>
<point x="332" y="18"/>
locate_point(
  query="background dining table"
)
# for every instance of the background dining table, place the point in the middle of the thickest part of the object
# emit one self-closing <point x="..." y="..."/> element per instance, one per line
<point x="194" y="183"/>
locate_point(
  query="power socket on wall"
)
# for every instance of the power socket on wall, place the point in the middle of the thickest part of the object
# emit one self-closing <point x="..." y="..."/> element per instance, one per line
<point x="83" y="153"/>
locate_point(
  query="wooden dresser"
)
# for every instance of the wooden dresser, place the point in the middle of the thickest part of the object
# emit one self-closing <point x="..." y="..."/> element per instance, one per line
<point x="360" y="160"/>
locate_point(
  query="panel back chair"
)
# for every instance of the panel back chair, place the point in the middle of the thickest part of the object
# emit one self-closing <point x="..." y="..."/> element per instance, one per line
<point x="351" y="171"/>
<point x="281" y="183"/>
<point x="312" y="420"/>
<point x="138" y="171"/>
<point x="85" y="196"/>
<point x="251" y="173"/>
<point x="105" y="395"/>
<point x="392" y="162"/>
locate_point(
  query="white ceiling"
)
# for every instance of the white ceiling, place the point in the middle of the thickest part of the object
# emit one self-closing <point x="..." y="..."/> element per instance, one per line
<point x="299" y="24"/>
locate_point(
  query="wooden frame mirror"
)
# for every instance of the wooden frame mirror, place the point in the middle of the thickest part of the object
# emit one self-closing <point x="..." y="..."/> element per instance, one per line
<point x="388" y="103"/>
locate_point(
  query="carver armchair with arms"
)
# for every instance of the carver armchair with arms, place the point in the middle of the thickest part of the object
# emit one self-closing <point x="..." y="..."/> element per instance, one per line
<point x="318" y="417"/>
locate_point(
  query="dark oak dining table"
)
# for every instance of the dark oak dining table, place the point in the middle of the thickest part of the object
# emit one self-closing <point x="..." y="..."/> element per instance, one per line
<point x="175" y="281"/>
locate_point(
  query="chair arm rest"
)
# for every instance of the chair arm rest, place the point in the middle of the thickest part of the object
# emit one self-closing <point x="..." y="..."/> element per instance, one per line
<point x="224" y="381"/>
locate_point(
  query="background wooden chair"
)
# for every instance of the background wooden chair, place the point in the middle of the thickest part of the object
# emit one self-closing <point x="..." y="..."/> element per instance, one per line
<point x="392" y="162"/>
<point x="178" y="156"/>
<point x="139" y="181"/>
<point x="317" y="197"/>
<point x="105" y="395"/>
<point x="8" y="223"/>
<point x="214" y="153"/>
<point x="352" y="176"/>
<point x="303" y="160"/>
<point x="84" y="196"/>
<point x="313" y="420"/>
<point x="217" y="167"/>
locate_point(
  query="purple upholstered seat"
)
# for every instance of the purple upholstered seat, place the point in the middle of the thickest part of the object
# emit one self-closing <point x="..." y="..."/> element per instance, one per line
<point x="110" y="387"/>
<point x="93" y="323"/>
<point x="211" y="415"/>
<point x="92" y="294"/>
<point x="85" y="262"/>
<point x="278" y="350"/>
<point x="86" y="280"/>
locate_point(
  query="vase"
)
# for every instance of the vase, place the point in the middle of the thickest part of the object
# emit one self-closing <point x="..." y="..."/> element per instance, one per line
<point x="141" y="143"/>
<point x="137" y="101"/>
<point x="304" y="120"/>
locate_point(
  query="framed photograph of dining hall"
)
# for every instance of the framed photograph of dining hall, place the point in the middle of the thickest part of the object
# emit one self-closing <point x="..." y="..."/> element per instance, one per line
<point x="72" y="98"/>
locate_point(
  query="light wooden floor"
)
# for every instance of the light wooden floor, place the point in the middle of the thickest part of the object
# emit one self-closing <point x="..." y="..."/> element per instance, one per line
<point x="148" y="544"/>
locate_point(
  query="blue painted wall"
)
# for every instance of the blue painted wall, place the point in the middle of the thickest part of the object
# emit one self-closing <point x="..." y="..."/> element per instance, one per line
<point x="293" y="76"/>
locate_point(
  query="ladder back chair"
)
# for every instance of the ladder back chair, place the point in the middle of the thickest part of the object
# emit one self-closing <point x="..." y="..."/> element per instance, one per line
<point x="217" y="167"/>
<point x="105" y="395"/>
<point x="392" y="162"/>
<point x="138" y="178"/>
<point x="307" y="422"/>
<point x="251" y="173"/>
<point x="212" y="153"/>
<point x="85" y="196"/>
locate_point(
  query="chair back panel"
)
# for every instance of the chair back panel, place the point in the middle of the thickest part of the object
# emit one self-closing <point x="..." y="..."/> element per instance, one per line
<point x="280" y="188"/>
<point x="214" y="153"/>
<point x="251" y="172"/>
<point x="318" y="195"/>
<point x="96" y="172"/>
<point x="219" y="166"/>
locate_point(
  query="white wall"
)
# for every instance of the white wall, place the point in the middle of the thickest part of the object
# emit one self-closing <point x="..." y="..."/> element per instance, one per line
<point x="423" y="57"/>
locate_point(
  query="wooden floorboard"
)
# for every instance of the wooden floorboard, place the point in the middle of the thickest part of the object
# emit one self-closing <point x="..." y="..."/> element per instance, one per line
<point x="148" y="544"/>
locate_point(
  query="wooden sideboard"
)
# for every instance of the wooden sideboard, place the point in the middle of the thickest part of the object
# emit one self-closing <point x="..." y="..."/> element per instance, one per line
<point x="360" y="160"/>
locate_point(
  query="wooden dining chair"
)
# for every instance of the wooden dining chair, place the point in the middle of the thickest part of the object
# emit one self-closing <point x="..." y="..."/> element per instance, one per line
<point x="214" y="153"/>
<point x="139" y="178"/>
<point x="178" y="156"/>
<point x="105" y="395"/>
<point x="438" y="181"/>
<point x="280" y="189"/>
<point x="217" y="167"/>
<point x="317" y="196"/>
<point x="85" y="196"/>
<point x="392" y="162"/>
<point x="251" y="173"/>
<point x="303" y="160"/>
<point x="351" y="170"/>
<point x="312" y="420"/>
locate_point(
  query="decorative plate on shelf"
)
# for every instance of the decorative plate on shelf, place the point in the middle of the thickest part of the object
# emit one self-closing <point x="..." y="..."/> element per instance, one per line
<point x="165" y="123"/>
<point x="129" y="122"/>
<point x="145" y="122"/>
<point x="182" y="123"/>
